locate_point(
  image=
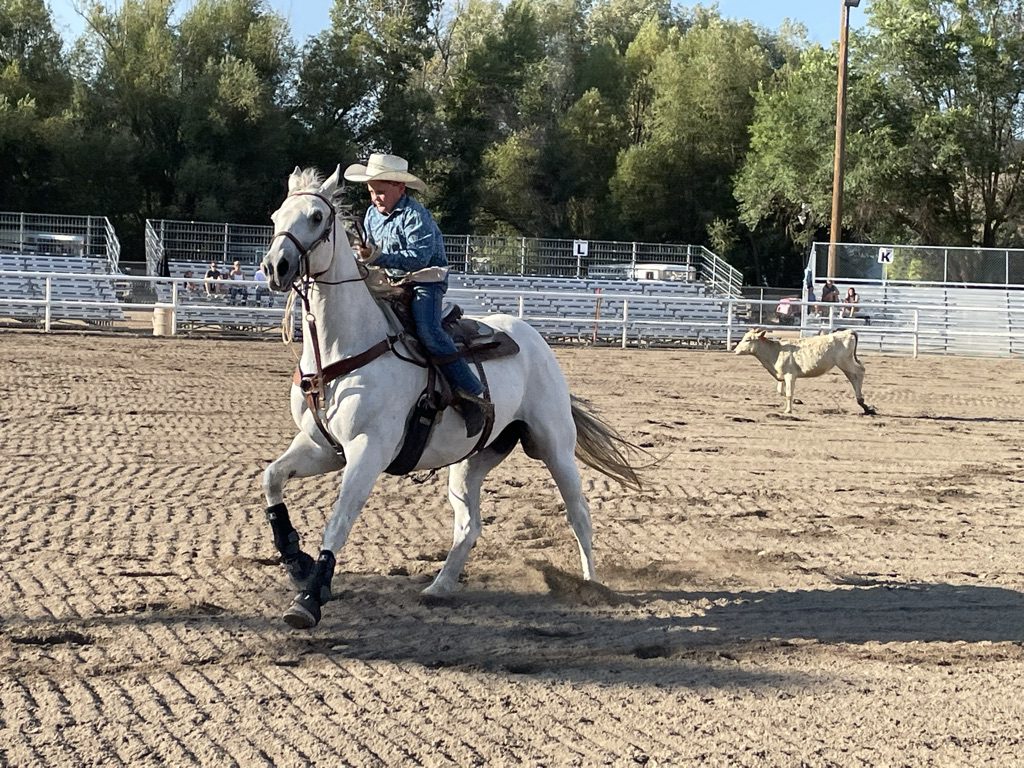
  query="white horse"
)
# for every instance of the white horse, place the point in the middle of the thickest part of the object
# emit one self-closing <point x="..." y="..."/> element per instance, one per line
<point x="364" y="411"/>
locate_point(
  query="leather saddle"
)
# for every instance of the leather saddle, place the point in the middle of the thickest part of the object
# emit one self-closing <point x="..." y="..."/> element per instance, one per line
<point x="474" y="341"/>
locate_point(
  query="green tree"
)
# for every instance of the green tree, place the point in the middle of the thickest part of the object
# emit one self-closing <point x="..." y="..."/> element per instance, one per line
<point x="236" y="60"/>
<point x="957" y="64"/>
<point x="933" y="124"/>
<point x="35" y="92"/>
<point x="492" y="87"/>
<point x="31" y="60"/>
<point x="677" y="178"/>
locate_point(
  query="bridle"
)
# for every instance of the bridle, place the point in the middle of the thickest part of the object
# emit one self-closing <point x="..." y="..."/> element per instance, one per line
<point x="314" y="385"/>
<point x="329" y="233"/>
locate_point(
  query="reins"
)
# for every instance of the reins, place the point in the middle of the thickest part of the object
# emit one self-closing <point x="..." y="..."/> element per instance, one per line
<point x="314" y="385"/>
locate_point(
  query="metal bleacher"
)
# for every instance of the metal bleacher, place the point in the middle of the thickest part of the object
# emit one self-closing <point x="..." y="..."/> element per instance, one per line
<point x="244" y="306"/>
<point x="65" y="291"/>
<point x="950" y="319"/>
<point x="646" y="312"/>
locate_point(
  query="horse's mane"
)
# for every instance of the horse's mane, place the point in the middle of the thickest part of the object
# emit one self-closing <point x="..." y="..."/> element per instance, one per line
<point x="310" y="179"/>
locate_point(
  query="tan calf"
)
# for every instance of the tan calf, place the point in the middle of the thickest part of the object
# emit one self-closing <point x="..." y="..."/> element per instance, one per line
<point x="788" y="361"/>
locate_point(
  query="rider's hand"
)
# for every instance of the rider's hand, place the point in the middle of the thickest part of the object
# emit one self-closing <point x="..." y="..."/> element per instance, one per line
<point x="368" y="253"/>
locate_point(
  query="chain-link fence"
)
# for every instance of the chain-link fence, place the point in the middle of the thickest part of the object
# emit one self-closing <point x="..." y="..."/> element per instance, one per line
<point x="60" y="234"/>
<point x="203" y="242"/>
<point x="921" y="264"/>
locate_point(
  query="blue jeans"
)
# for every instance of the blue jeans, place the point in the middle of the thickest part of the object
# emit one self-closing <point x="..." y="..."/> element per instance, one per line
<point x="426" y="314"/>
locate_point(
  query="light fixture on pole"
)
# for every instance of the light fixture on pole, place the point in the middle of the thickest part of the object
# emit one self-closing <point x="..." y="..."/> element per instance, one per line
<point x="837" y="166"/>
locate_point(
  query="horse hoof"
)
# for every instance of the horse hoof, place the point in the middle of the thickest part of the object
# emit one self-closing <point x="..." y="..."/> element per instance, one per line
<point x="436" y="590"/>
<point x="303" y="613"/>
<point x="300" y="569"/>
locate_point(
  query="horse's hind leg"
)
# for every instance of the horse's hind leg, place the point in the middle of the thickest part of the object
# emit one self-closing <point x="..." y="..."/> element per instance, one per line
<point x="563" y="468"/>
<point x="553" y="441"/>
<point x="464" y="482"/>
<point x="304" y="458"/>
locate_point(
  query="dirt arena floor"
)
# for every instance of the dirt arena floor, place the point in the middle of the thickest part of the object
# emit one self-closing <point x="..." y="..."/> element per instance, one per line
<point x="826" y="589"/>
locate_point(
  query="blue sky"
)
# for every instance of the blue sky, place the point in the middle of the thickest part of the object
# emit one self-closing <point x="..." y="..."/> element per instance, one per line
<point x="307" y="17"/>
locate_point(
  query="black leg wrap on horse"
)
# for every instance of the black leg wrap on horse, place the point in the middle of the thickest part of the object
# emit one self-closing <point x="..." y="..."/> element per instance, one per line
<point x="298" y="564"/>
<point x="286" y="539"/>
<point x="323" y="574"/>
<point x="304" y="612"/>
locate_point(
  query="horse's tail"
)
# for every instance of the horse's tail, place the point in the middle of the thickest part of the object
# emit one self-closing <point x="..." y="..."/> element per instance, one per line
<point x="600" y="447"/>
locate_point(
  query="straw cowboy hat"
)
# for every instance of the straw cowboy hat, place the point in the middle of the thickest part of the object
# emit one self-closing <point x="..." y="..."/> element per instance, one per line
<point x="385" y="168"/>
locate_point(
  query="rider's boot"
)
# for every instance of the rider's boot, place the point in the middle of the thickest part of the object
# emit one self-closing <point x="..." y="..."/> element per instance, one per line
<point x="474" y="409"/>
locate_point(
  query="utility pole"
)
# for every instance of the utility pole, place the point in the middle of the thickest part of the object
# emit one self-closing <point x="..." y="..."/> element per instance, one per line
<point x="838" y="162"/>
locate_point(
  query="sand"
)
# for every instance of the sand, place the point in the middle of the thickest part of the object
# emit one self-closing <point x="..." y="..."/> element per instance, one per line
<point x="826" y="589"/>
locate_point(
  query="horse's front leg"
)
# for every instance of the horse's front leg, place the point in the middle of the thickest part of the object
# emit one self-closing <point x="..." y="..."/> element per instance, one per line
<point x="304" y="458"/>
<point x="363" y="468"/>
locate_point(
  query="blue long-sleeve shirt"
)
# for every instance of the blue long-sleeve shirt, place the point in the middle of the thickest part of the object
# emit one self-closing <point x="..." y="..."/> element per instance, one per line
<point x="408" y="237"/>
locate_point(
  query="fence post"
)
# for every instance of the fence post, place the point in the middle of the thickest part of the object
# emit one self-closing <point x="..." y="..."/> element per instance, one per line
<point x="520" y="301"/>
<point x="522" y="262"/>
<point x="468" y="270"/>
<point x="632" y="260"/>
<point x="625" y="321"/>
<point x="224" y="248"/>
<point x="174" y="308"/>
<point x="48" y="294"/>
<point x="21" y="233"/>
<point x="728" y="325"/>
<point x="917" y="326"/>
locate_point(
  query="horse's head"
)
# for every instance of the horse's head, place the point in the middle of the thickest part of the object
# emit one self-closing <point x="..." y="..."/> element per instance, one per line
<point x="305" y="231"/>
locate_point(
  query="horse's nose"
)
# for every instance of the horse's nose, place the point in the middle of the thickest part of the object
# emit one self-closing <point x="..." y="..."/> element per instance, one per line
<point x="282" y="268"/>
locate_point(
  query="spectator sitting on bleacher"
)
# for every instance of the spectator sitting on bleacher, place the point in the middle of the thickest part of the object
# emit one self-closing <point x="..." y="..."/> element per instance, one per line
<point x="829" y="292"/>
<point x="851" y="302"/>
<point x="261" y="283"/>
<point x="211" y="278"/>
<point x="191" y="286"/>
<point x="238" y="293"/>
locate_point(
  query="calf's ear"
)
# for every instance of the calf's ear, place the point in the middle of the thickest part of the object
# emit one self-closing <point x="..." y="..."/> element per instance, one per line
<point x="761" y="334"/>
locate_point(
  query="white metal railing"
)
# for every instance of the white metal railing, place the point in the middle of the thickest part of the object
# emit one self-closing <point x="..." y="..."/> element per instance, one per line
<point x="180" y="303"/>
<point x="900" y="327"/>
<point x="154" y="249"/>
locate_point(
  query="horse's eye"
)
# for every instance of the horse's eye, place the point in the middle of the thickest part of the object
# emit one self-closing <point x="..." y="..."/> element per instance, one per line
<point x="317" y="217"/>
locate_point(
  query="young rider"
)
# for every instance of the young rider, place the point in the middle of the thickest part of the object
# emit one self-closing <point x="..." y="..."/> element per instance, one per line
<point x="404" y="240"/>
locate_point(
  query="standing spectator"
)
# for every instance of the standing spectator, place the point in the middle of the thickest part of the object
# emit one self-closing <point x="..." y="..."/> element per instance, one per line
<point x="809" y="292"/>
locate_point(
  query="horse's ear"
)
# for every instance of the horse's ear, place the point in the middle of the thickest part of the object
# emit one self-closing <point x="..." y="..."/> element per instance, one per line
<point x="328" y="187"/>
<point x="293" y="180"/>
